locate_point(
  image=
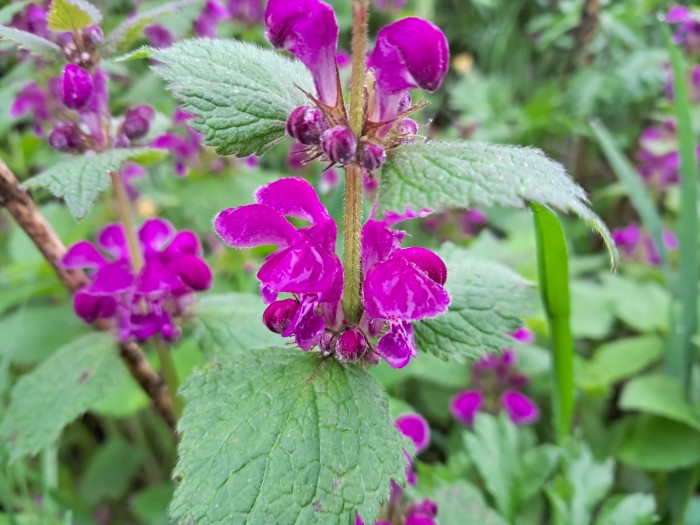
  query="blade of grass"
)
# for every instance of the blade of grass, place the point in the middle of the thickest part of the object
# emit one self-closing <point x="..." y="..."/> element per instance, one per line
<point x="553" y="268"/>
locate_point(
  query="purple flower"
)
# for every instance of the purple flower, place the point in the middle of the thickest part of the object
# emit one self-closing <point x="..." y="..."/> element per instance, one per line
<point x="687" y="25"/>
<point x="410" y="53"/>
<point x="207" y="21"/>
<point x="32" y="100"/>
<point x="415" y="427"/>
<point x="158" y="36"/>
<point x="77" y="87"/>
<point x="137" y="122"/>
<point x="520" y="408"/>
<point x="184" y="149"/>
<point x="636" y="244"/>
<point x="247" y="10"/>
<point x="523" y="335"/>
<point x="141" y="304"/>
<point x="465" y="405"/>
<point x="309" y="30"/>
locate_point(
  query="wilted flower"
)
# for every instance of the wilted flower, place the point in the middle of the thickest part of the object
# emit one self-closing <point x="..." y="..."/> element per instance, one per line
<point x="140" y="303"/>
<point x="495" y="386"/>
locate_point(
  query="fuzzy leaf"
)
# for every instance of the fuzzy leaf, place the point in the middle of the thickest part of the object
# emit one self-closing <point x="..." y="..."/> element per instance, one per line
<point x="241" y="93"/>
<point x="71" y="15"/>
<point x="232" y="323"/>
<point x="72" y="380"/>
<point x="36" y="45"/>
<point x="464" y="174"/>
<point x="279" y="436"/>
<point x="80" y="180"/>
<point x="487" y="302"/>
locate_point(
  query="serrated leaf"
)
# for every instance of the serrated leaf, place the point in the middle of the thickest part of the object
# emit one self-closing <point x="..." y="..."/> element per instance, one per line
<point x="131" y="29"/>
<point x="487" y="302"/>
<point x="71" y="15"/>
<point x="634" y="509"/>
<point x="61" y="388"/>
<point x="462" y="174"/>
<point x="241" y="93"/>
<point x="279" y="436"/>
<point x="232" y="324"/>
<point x="38" y="46"/>
<point x="81" y="179"/>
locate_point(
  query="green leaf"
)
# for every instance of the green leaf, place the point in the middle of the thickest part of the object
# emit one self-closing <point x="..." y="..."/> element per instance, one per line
<point x="71" y="15"/>
<point x="662" y="396"/>
<point x="461" y="503"/>
<point x="81" y="179"/>
<point x="656" y="443"/>
<point x="462" y="174"/>
<point x="592" y="315"/>
<point x="232" y="324"/>
<point x="131" y="29"/>
<point x="242" y="106"/>
<point x="35" y="44"/>
<point x="279" y="436"/>
<point x="60" y="389"/>
<point x="640" y="305"/>
<point x="512" y="470"/>
<point x="582" y="484"/>
<point x="620" y="359"/>
<point x="635" y="509"/>
<point x="487" y="302"/>
<point x="8" y="11"/>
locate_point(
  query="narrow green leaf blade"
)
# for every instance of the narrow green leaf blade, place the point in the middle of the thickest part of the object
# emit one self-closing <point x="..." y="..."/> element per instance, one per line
<point x="279" y="436"/>
<point x="241" y="106"/>
<point x="464" y="174"/>
<point x="488" y="302"/>
<point x="81" y="180"/>
<point x="71" y="381"/>
<point x="71" y="15"/>
<point x="36" y="45"/>
<point x="232" y="323"/>
<point x="553" y="269"/>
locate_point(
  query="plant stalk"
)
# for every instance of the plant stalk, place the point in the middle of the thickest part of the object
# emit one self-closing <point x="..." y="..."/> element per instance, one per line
<point x="127" y="219"/>
<point x="352" y="223"/>
<point x="167" y="366"/>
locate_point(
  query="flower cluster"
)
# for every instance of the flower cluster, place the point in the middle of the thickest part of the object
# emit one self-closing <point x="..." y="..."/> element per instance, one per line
<point x="496" y="384"/>
<point x="414" y="427"/>
<point x="687" y="25"/>
<point x="401" y="285"/>
<point x="637" y="245"/>
<point x="411" y="53"/>
<point x="140" y="303"/>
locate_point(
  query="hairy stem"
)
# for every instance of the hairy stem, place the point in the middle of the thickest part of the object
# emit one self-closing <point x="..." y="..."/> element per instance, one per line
<point x="23" y="209"/>
<point x="127" y="219"/>
<point x="352" y="223"/>
<point x="167" y="366"/>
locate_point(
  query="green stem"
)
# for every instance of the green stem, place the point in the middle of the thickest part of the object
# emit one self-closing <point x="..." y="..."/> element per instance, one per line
<point x="127" y="219"/>
<point x="167" y="366"/>
<point x="352" y="224"/>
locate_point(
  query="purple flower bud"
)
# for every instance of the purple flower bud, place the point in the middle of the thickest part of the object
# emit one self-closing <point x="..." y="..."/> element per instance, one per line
<point x="427" y="507"/>
<point x="416" y="428"/>
<point x="521" y="409"/>
<point x="307" y="124"/>
<point x="158" y="36"/>
<point x="65" y="138"/>
<point x="372" y="156"/>
<point x="351" y="345"/>
<point x="77" y="86"/>
<point x="93" y="35"/>
<point x="339" y="144"/>
<point x="405" y="102"/>
<point x="279" y="315"/>
<point x="407" y="126"/>
<point x="137" y="121"/>
<point x="465" y="405"/>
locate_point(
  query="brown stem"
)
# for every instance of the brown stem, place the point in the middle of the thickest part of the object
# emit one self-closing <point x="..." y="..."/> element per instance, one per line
<point x="22" y="208"/>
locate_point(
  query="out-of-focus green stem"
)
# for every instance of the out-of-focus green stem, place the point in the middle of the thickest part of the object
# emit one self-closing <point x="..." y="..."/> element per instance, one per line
<point x="167" y="366"/>
<point x="352" y="224"/>
<point x="127" y="219"/>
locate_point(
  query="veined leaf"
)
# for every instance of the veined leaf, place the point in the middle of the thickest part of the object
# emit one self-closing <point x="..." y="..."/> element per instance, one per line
<point x="71" y="15"/>
<point x="35" y="44"/>
<point x="279" y="436"/>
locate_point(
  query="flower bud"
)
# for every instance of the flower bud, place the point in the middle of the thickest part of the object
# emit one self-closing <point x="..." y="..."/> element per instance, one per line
<point x="405" y="102"/>
<point x="93" y="35"/>
<point x="77" y="86"/>
<point x="307" y="124"/>
<point x="407" y="126"/>
<point x="65" y="138"/>
<point x="279" y="315"/>
<point x="339" y="144"/>
<point x="351" y="345"/>
<point x="372" y="156"/>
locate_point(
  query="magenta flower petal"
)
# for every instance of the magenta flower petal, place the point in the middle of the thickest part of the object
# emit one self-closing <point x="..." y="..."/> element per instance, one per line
<point x="419" y="519"/>
<point x="112" y="278"/>
<point x="397" y="345"/>
<point x="427" y="261"/>
<point x="185" y="242"/>
<point x="304" y="267"/>
<point x="112" y="239"/>
<point x="154" y="234"/>
<point x="521" y="409"/>
<point x="308" y="29"/>
<point x="293" y="197"/>
<point x="398" y="289"/>
<point x="254" y="225"/>
<point x="156" y="278"/>
<point x="192" y="271"/>
<point x="678" y="14"/>
<point x="378" y="241"/>
<point x="309" y="331"/>
<point x="83" y="255"/>
<point x="411" y="477"/>
<point x="416" y="428"/>
<point x="465" y="405"/>
<point x="90" y="307"/>
<point x="77" y="86"/>
<point x="524" y="335"/>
